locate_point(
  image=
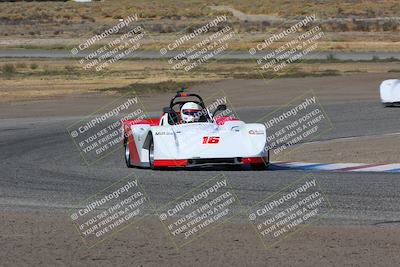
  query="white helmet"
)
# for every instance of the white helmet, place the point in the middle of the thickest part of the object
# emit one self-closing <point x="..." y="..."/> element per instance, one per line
<point x="190" y="112"/>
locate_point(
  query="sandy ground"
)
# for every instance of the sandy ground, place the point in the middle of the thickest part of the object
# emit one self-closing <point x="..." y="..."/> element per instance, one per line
<point x="377" y="149"/>
<point x="52" y="240"/>
<point x="241" y="93"/>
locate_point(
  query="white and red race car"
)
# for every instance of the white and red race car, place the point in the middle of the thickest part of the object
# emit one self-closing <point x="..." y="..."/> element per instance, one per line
<point x="212" y="140"/>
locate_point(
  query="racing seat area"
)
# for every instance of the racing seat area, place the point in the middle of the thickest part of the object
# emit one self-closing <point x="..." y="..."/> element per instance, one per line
<point x="174" y="115"/>
<point x="203" y="118"/>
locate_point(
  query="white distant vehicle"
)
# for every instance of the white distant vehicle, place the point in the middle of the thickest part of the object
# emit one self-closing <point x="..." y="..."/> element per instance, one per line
<point x="390" y="92"/>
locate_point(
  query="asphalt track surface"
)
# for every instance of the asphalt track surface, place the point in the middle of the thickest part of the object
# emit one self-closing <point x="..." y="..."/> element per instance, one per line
<point x="41" y="170"/>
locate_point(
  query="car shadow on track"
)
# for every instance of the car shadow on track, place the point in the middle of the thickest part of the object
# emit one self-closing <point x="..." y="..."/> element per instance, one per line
<point x="269" y="167"/>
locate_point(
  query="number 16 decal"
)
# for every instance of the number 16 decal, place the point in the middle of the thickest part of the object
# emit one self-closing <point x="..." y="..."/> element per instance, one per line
<point x="210" y="139"/>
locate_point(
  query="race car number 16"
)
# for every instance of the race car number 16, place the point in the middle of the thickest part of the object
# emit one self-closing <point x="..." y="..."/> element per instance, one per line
<point x="210" y="139"/>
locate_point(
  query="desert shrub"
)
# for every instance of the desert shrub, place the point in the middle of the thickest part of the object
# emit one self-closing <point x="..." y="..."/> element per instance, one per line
<point x="21" y="65"/>
<point x="8" y="69"/>
<point x="85" y="17"/>
<point x="33" y="66"/>
<point x="390" y="25"/>
<point x="57" y="32"/>
<point x="363" y="26"/>
<point x="331" y="57"/>
<point x="69" y="68"/>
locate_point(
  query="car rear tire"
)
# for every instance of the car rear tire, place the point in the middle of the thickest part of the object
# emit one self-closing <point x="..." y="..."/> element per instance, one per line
<point x="127" y="154"/>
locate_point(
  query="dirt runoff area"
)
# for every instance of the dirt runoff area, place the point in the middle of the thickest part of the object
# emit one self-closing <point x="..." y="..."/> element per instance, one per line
<point x="241" y="93"/>
<point x="374" y="149"/>
<point x="53" y="240"/>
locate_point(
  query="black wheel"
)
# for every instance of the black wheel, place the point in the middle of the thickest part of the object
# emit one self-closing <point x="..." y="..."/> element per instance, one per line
<point x="151" y="153"/>
<point x="127" y="154"/>
<point x="268" y="161"/>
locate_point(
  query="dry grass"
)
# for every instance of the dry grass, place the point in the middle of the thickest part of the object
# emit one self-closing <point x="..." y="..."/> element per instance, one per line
<point x="80" y="20"/>
<point x="358" y="44"/>
<point x="63" y="77"/>
<point x="161" y="9"/>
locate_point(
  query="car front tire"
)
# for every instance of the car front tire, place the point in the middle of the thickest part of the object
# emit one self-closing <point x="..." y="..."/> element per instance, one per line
<point x="151" y="153"/>
<point x="127" y="154"/>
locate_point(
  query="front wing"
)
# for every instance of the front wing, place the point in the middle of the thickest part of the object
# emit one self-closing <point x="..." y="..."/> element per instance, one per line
<point x="244" y="145"/>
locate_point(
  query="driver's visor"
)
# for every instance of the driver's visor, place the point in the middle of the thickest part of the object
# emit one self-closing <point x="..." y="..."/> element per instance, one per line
<point x="192" y="112"/>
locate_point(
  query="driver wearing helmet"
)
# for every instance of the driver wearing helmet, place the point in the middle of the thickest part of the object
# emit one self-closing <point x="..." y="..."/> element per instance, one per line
<point x="190" y="112"/>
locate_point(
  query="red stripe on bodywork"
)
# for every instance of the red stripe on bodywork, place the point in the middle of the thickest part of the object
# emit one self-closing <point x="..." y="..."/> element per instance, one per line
<point x="223" y="119"/>
<point x="135" y="159"/>
<point x="170" y="162"/>
<point x="360" y="167"/>
<point x="254" y="160"/>
<point x="132" y="149"/>
<point x="151" y="121"/>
